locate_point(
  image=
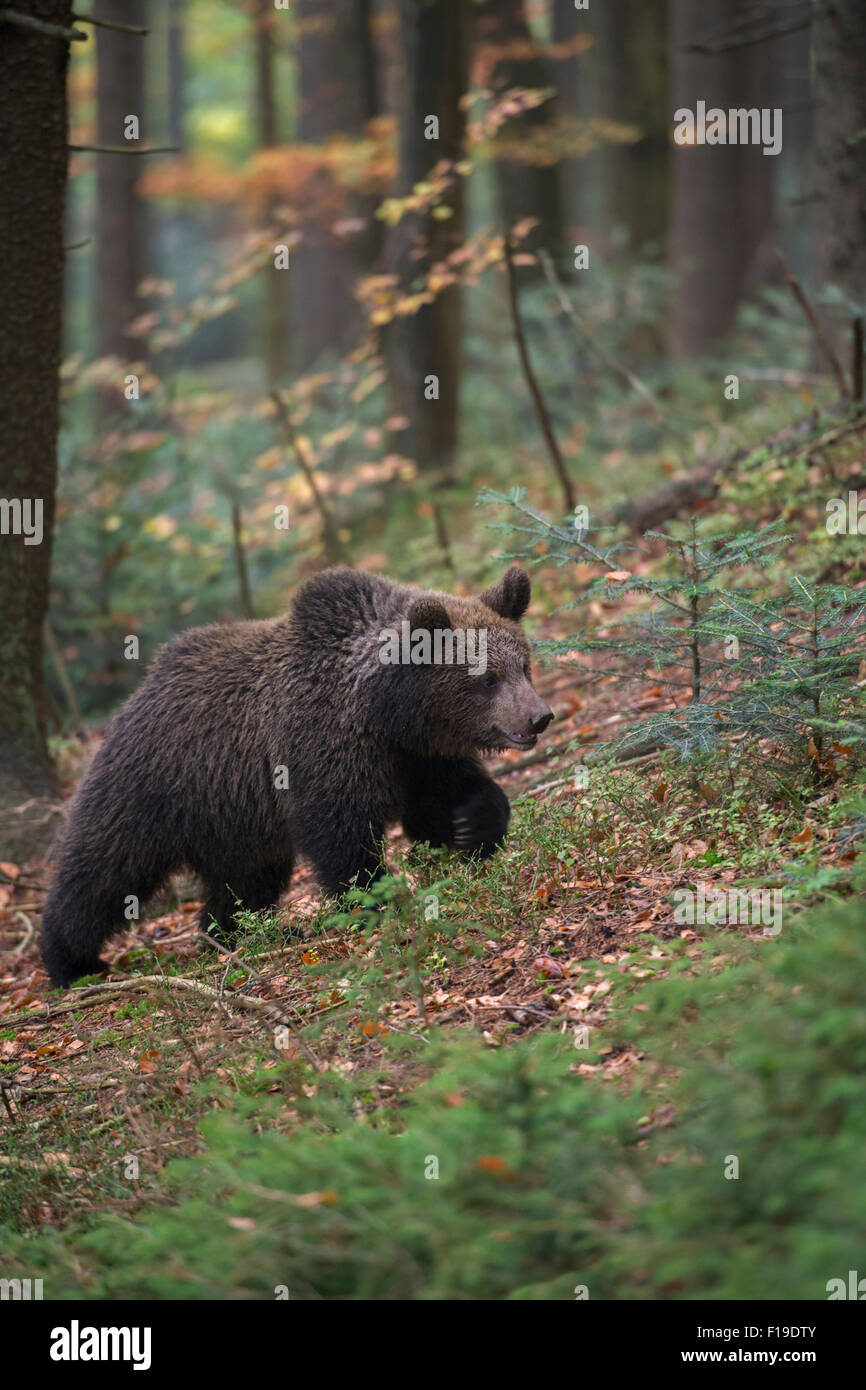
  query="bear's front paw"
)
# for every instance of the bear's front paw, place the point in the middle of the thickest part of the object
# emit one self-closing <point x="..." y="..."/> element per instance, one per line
<point x="480" y="823"/>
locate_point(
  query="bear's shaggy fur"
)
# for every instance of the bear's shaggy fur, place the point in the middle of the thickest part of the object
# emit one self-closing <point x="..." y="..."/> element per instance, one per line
<point x="189" y="773"/>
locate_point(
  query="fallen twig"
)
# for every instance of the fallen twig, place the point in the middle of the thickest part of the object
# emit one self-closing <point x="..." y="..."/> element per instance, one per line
<point x="58" y="1166"/>
<point x="28" y="934"/>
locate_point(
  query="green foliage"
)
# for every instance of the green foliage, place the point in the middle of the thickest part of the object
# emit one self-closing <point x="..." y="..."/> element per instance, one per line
<point x="802" y="653"/>
<point x="780" y="666"/>
<point x="392" y="938"/>
<point x="773" y="1079"/>
<point x="547" y="1178"/>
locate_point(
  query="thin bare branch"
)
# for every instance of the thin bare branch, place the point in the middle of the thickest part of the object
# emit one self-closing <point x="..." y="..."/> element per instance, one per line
<point x="333" y="544"/>
<point x="532" y="382"/>
<point x="109" y="24"/>
<point x="241" y="561"/>
<point x="586" y="332"/>
<point x="125" y="149"/>
<point x="731" y="41"/>
<point x="812" y="319"/>
<point x="41" y="26"/>
<point x="857" y="359"/>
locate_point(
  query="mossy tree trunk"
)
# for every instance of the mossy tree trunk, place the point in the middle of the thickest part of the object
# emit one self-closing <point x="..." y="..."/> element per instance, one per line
<point x="33" y="158"/>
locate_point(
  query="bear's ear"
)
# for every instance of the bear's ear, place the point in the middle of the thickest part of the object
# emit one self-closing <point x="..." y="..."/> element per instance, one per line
<point x="427" y="614"/>
<point x="510" y="597"/>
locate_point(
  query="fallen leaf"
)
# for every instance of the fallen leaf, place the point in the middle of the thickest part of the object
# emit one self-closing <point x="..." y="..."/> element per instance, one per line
<point x="327" y="1197"/>
<point x="490" y="1163"/>
<point x="549" y="967"/>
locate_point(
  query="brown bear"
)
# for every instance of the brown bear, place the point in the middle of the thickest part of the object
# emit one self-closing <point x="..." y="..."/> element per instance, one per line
<point x="250" y="743"/>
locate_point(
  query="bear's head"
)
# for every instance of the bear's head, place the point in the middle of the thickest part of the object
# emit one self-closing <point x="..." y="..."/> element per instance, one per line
<point x="482" y="698"/>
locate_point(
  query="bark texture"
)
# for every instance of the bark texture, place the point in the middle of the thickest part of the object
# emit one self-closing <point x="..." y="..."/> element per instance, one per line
<point x="33" y="159"/>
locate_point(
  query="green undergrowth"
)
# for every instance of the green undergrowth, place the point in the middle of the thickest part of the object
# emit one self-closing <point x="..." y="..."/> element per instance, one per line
<point x="727" y="1163"/>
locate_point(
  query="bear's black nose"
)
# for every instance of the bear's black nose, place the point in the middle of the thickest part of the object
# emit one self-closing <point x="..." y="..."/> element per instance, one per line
<point x="541" y="721"/>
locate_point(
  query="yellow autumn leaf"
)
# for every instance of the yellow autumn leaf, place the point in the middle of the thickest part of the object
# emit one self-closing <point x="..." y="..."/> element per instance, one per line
<point x="160" y="526"/>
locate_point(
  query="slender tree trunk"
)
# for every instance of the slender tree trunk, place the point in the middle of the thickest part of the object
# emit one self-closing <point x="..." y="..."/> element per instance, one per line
<point x="578" y="98"/>
<point x="427" y="344"/>
<point x="176" y="75"/>
<point x="634" y="63"/>
<point x="839" y="67"/>
<point x="528" y="187"/>
<point x="338" y="96"/>
<point x="796" y="179"/>
<point x="275" y="309"/>
<point x="120" y="213"/>
<point x="721" y="194"/>
<point x="266" y="112"/>
<point x="33" y="159"/>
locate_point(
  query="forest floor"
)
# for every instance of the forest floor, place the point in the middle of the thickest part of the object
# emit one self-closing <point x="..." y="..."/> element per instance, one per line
<point x="112" y="1067"/>
<point x="555" y="932"/>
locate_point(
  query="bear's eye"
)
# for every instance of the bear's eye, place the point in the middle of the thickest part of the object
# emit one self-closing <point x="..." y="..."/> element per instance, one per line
<point x="526" y="669"/>
<point x="490" y="681"/>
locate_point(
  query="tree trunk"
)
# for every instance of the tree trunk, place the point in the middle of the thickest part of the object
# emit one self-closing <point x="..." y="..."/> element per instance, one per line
<point x="427" y="344"/>
<point x="796" y="176"/>
<point x="528" y="187"/>
<point x="578" y="89"/>
<point x="33" y="158"/>
<point x="721" y="194"/>
<point x="839" y="63"/>
<point x="120" y="213"/>
<point x="338" y="96"/>
<point x="634" y="91"/>
<point x="275" y="315"/>
<point x="266" y="112"/>
<point x="176" y="76"/>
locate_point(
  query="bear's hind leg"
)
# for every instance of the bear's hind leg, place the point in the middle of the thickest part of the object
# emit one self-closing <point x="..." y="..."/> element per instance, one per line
<point x="88" y="903"/>
<point x="73" y="929"/>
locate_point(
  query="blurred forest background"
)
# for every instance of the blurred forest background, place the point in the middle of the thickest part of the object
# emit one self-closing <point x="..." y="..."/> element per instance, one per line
<point x="311" y="199"/>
